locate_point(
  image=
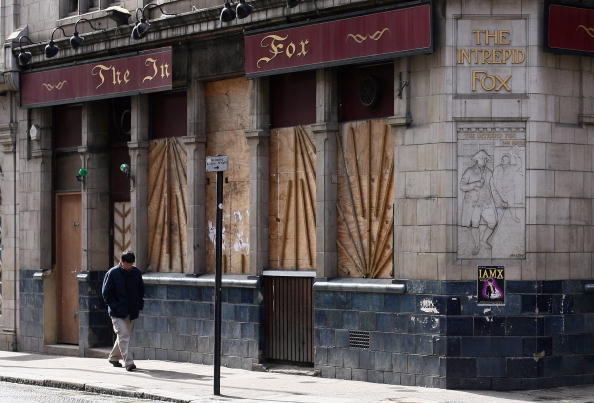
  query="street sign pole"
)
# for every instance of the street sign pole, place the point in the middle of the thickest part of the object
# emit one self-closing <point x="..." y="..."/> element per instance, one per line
<point x="218" y="286"/>
<point x="218" y="164"/>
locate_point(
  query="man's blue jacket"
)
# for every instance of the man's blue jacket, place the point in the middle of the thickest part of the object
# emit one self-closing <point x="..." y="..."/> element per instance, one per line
<point x="123" y="292"/>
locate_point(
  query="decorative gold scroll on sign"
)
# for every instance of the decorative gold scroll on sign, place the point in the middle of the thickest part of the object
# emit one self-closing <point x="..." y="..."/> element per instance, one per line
<point x="365" y="212"/>
<point x="376" y="36"/>
<point x="588" y="30"/>
<point x="167" y="205"/>
<point x="51" y="87"/>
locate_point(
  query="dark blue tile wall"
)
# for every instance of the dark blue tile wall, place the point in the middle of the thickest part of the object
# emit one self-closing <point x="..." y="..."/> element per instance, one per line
<point x="95" y="326"/>
<point x="30" y="336"/>
<point x="436" y="335"/>
<point x="178" y="324"/>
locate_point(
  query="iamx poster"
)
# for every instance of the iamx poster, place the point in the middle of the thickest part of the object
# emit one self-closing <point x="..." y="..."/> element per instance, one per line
<point x="491" y="285"/>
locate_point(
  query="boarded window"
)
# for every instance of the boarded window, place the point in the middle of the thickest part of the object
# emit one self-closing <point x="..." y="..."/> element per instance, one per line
<point x="365" y="199"/>
<point x="227" y="111"/>
<point x="292" y="220"/>
<point x="167" y="183"/>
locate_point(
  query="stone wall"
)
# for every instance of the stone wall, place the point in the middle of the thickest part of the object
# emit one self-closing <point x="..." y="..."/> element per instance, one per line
<point x="177" y="323"/>
<point x="436" y="335"/>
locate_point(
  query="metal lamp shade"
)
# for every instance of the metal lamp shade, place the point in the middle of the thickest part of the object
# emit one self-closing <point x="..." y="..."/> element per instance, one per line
<point x="51" y="49"/>
<point x="76" y="41"/>
<point x="227" y="14"/>
<point x="243" y="9"/>
<point x="24" y="58"/>
<point x="140" y="29"/>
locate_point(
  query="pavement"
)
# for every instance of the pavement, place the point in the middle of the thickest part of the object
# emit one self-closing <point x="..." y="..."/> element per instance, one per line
<point x="185" y="382"/>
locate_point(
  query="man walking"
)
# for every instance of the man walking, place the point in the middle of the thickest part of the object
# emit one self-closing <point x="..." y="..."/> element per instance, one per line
<point x="123" y="292"/>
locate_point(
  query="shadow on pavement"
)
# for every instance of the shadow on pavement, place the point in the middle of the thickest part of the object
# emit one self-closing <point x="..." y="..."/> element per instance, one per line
<point x="158" y="373"/>
<point x="29" y="357"/>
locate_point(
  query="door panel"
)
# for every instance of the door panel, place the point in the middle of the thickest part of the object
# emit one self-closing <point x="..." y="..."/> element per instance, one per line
<point x="289" y="319"/>
<point x="68" y="263"/>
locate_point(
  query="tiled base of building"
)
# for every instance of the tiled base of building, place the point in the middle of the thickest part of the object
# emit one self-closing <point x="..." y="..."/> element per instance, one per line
<point x="436" y="335"/>
<point x="30" y="329"/>
<point x="177" y="324"/>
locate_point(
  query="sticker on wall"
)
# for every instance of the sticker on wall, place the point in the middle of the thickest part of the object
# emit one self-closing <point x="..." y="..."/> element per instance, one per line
<point x="490" y="285"/>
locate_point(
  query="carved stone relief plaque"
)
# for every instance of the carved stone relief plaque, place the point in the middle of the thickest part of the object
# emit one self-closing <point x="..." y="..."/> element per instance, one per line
<point x="491" y="191"/>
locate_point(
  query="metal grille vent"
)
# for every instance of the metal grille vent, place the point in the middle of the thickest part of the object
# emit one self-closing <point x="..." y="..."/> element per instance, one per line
<point x="358" y="339"/>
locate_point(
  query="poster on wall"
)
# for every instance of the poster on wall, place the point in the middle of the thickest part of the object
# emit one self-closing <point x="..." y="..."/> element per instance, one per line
<point x="490" y="285"/>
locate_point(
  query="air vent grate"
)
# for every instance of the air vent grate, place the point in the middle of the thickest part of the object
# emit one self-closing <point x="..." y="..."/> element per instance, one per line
<point x="358" y="339"/>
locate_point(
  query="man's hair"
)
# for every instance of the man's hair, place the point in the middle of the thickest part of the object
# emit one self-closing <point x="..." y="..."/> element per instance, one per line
<point x="128" y="257"/>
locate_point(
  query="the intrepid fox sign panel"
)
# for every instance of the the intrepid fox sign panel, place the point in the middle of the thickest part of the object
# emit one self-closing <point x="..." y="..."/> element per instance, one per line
<point x="146" y="72"/>
<point x="350" y="39"/>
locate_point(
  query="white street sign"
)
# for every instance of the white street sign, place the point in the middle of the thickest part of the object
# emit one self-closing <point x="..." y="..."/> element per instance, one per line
<point x="217" y="164"/>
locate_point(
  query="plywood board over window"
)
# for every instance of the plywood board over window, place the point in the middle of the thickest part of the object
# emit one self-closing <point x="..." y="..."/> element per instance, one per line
<point x="292" y="220"/>
<point x="365" y="199"/>
<point x="167" y="205"/>
<point x="227" y="121"/>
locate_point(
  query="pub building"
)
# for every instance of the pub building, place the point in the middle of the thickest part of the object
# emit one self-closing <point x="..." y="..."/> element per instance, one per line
<point x="409" y="195"/>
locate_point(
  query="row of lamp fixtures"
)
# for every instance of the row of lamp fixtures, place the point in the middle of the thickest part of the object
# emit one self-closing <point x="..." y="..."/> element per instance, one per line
<point x="141" y="27"/>
<point x="243" y="9"/>
<point x="139" y="31"/>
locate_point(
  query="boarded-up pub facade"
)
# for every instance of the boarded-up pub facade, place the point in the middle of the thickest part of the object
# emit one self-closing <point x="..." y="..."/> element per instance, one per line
<point x="409" y="197"/>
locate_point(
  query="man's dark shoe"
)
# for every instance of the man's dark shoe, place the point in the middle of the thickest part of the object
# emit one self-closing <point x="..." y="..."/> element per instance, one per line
<point x="130" y="367"/>
<point x="115" y="363"/>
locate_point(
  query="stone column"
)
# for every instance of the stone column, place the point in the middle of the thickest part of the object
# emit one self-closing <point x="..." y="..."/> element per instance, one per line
<point x="95" y="328"/>
<point x="325" y="132"/>
<point x="138" y="148"/>
<point x="195" y="142"/>
<point x="8" y="191"/>
<point x="35" y="216"/>
<point x="399" y="123"/>
<point x="95" y="186"/>
<point x="35" y="190"/>
<point x="258" y="138"/>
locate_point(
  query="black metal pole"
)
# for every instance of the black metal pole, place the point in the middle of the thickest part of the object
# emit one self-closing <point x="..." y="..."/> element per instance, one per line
<point x="218" y="287"/>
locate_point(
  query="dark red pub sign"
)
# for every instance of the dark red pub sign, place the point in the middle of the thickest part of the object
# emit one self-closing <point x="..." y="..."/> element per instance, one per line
<point x="569" y="28"/>
<point x="351" y="39"/>
<point x="148" y="71"/>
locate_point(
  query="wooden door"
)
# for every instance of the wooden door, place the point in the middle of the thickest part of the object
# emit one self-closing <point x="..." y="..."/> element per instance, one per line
<point x="68" y="263"/>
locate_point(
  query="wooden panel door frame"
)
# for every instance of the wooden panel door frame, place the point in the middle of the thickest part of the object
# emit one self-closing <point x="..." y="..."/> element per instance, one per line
<point x="67" y="328"/>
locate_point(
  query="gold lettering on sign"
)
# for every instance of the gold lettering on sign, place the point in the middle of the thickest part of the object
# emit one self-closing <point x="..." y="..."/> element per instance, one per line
<point x="51" y="87"/>
<point x="490" y="82"/>
<point x="163" y="67"/>
<point x="489" y="56"/>
<point x="277" y="46"/>
<point x="376" y="36"/>
<point x="117" y="76"/>
<point x="589" y="30"/>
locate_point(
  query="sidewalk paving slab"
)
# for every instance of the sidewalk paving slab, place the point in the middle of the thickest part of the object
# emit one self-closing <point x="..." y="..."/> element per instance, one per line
<point x="185" y="382"/>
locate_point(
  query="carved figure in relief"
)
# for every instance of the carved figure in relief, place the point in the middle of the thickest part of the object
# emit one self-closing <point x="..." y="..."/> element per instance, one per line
<point x="479" y="201"/>
<point x="504" y="183"/>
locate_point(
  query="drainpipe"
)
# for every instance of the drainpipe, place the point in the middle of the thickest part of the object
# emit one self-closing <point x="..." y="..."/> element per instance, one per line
<point x="14" y="246"/>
